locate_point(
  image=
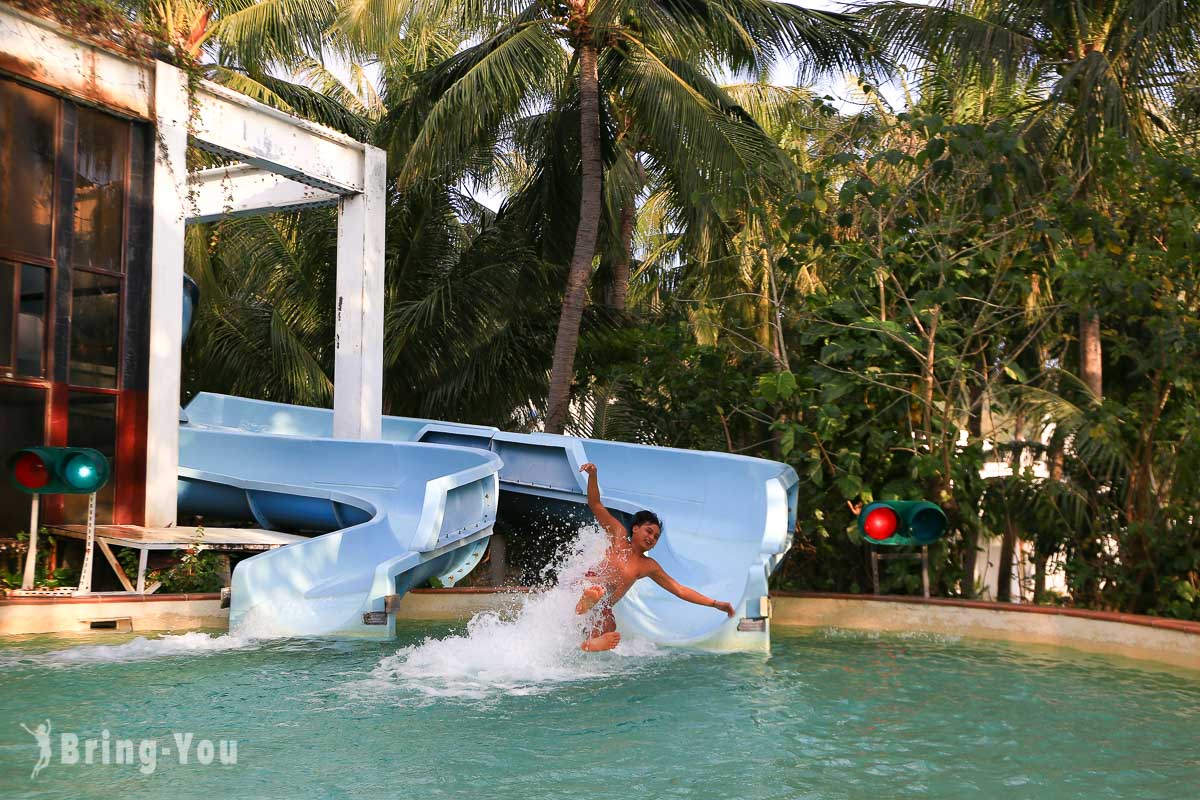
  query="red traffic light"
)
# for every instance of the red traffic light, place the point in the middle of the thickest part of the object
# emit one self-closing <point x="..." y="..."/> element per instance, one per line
<point x="29" y="470"/>
<point x="881" y="523"/>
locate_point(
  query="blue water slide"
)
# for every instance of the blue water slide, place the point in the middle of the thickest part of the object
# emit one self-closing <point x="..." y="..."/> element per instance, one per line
<point x="727" y="520"/>
<point x="384" y="516"/>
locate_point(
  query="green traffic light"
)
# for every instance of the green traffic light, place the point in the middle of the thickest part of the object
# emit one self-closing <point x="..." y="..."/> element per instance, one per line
<point x="85" y="472"/>
<point x="59" y="470"/>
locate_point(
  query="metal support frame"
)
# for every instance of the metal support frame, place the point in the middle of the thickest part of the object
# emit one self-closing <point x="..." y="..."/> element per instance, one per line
<point x="283" y="164"/>
<point x="286" y="163"/>
<point x="141" y="574"/>
<point x="243" y="190"/>
<point x="876" y="556"/>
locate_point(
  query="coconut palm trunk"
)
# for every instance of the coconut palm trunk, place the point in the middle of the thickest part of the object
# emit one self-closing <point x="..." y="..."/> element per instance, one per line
<point x="619" y="294"/>
<point x="1090" y="369"/>
<point x="590" y="200"/>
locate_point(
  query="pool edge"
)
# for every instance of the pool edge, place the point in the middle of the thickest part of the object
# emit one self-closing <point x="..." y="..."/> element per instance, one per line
<point x="1173" y="642"/>
<point x="1168" y="641"/>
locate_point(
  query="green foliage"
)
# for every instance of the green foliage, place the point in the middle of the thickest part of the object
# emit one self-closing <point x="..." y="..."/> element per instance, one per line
<point x="670" y="391"/>
<point x="196" y="570"/>
<point x="43" y="578"/>
<point x="888" y="302"/>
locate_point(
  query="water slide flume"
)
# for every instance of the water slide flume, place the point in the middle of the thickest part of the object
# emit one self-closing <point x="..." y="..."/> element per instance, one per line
<point x="401" y="511"/>
<point x="396" y="513"/>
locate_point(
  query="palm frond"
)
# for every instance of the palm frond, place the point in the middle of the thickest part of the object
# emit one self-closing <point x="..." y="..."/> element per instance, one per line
<point x="474" y="92"/>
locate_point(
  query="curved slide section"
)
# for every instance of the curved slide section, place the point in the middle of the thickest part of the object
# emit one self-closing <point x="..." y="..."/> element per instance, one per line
<point x="388" y="515"/>
<point x="727" y="520"/>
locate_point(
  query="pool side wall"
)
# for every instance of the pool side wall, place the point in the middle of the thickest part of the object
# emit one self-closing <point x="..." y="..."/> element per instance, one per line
<point x="175" y="613"/>
<point x="1167" y="641"/>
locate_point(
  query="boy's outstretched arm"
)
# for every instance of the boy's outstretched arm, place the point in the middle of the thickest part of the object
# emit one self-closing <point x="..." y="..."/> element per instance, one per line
<point x="660" y="576"/>
<point x="602" y="514"/>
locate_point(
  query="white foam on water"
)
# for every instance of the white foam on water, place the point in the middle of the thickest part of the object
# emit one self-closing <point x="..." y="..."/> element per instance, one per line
<point x="142" y="648"/>
<point x="527" y="651"/>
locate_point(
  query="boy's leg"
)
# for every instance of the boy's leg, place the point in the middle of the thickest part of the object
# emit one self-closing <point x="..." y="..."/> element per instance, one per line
<point x="604" y="635"/>
<point x="590" y="597"/>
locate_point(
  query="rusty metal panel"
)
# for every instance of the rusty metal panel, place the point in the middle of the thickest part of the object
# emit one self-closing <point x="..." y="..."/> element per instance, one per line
<point x="42" y="52"/>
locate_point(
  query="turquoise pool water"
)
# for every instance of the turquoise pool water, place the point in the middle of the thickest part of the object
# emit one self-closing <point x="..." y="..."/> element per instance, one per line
<point x="495" y="713"/>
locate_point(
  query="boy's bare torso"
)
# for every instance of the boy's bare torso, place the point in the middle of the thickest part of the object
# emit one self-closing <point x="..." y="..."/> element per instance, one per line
<point x="621" y="568"/>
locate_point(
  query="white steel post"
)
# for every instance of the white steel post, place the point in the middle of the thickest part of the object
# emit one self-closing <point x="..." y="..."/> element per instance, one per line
<point x="141" y="576"/>
<point x="358" y="332"/>
<point x="171" y="111"/>
<point x="31" y="555"/>
<point x="89" y="548"/>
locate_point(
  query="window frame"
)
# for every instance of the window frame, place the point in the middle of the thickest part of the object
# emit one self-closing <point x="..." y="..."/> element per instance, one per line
<point x="20" y="257"/>
<point x="127" y="181"/>
<point x="55" y="381"/>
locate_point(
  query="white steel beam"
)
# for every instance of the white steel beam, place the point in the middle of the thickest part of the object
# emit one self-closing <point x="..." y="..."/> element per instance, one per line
<point x="358" y="331"/>
<point x="234" y="126"/>
<point x="242" y="190"/>
<point x="166" y="294"/>
<point x="42" y="51"/>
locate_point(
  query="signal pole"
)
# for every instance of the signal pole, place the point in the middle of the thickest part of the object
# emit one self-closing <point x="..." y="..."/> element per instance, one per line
<point x="85" y="572"/>
<point x="31" y="554"/>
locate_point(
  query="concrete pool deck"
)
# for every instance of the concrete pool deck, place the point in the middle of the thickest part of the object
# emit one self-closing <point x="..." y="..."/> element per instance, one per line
<point x="1168" y="641"/>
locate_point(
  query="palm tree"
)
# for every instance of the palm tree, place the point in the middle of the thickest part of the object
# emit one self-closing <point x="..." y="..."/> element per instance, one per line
<point x="306" y="57"/>
<point x="1100" y="67"/>
<point x="264" y="328"/>
<point x="647" y="63"/>
<point x="468" y="314"/>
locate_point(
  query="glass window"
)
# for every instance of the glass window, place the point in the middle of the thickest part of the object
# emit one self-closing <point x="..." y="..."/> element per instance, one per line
<point x="95" y="329"/>
<point x="22" y="420"/>
<point x="8" y="283"/>
<point x="31" y="320"/>
<point x="100" y="156"/>
<point x="28" y="142"/>
<point x="92" y="422"/>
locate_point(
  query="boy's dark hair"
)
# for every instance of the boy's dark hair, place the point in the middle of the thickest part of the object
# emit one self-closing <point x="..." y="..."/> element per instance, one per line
<point x="642" y="517"/>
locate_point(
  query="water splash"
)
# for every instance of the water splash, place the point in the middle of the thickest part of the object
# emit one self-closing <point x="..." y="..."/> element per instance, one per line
<point x="528" y="650"/>
<point x="143" y="648"/>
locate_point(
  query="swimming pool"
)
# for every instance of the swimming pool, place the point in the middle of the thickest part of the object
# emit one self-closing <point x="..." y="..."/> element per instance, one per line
<point x="507" y="709"/>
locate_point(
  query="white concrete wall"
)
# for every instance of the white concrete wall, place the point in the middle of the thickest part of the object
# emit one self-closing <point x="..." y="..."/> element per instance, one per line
<point x="166" y="294"/>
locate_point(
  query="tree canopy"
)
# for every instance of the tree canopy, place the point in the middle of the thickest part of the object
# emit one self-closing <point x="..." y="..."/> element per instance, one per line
<point x="908" y="301"/>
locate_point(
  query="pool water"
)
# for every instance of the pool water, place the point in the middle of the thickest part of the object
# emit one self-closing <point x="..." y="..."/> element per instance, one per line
<point x="827" y="715"/>
<point x="508" y="707"/>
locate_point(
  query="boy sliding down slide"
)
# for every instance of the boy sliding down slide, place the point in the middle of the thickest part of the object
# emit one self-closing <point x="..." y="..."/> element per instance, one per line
<point x="624" y="564"/>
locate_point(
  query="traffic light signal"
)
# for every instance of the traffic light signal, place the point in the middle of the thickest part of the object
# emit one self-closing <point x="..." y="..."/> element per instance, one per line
<point x="59" y="470"/>
<point x="901" y="522"/>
